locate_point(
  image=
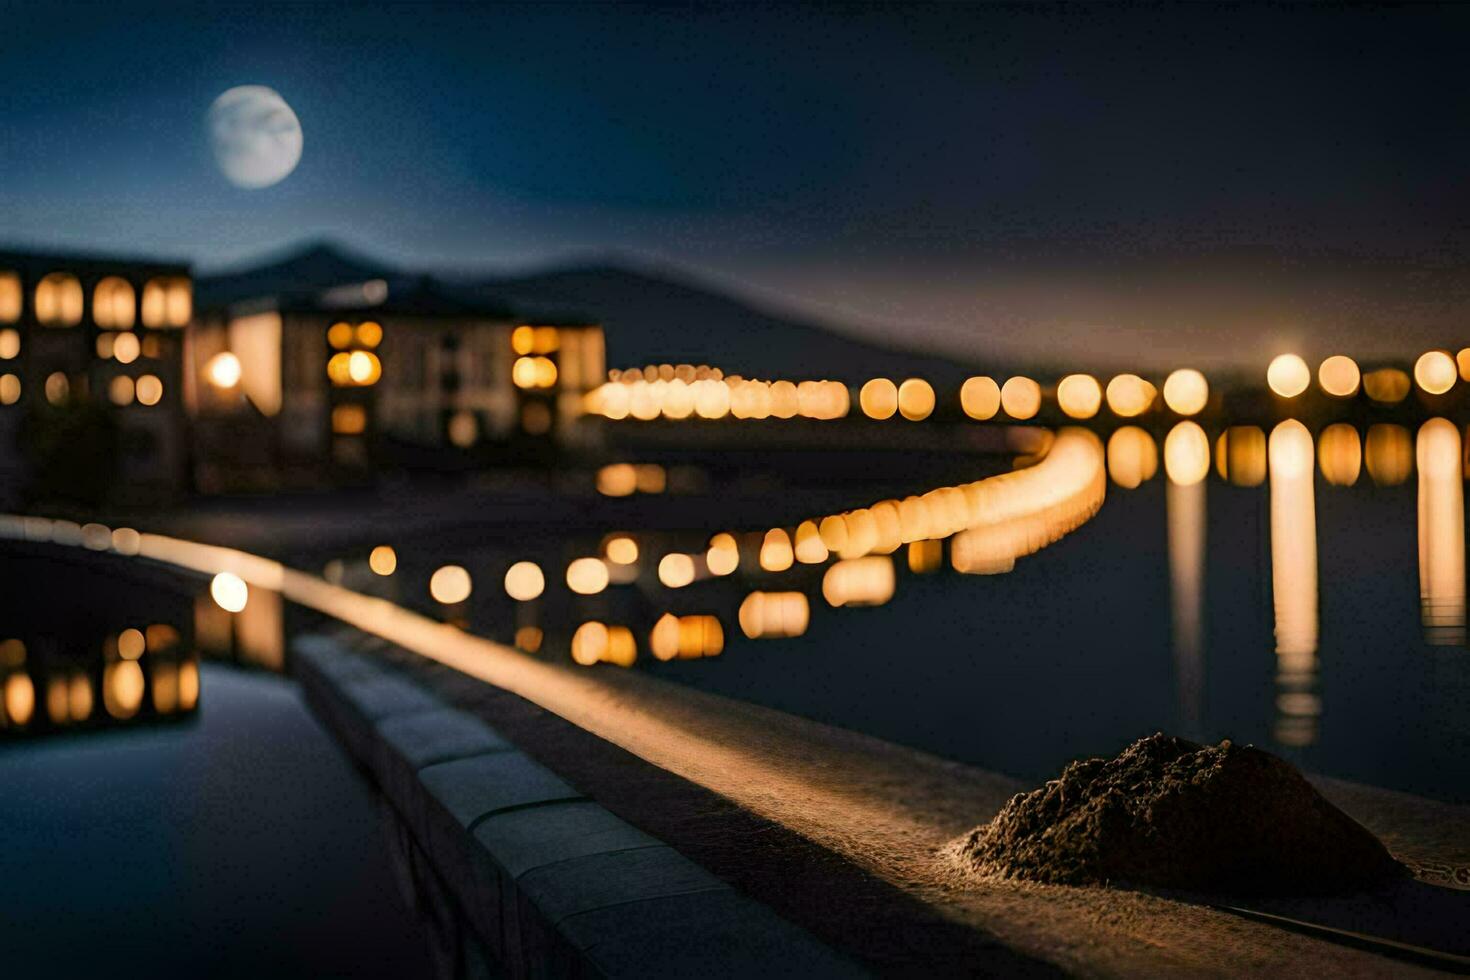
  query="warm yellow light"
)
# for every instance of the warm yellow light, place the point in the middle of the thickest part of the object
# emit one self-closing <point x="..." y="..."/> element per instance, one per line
<point x="223" y="370"/>
<point x="1133" y="457"/>
<point x="859" y="582"/>
<point x="1186" y="454"/>
<point x="20" y="699"/>
<point x="1079" y="396"/>
<point x="122" y="689"/>
<point x="114" y="304"/>
<point x="120" y="390"/>
<point x="1240" y="455"/>
<point x="339" y="335"/>
<point x="1387" y="386"/>
<point x="130" y="644"/>
<point x="878" y="399"/>
<point x="1288" y="375"/>
<point x="980" y="398"/>
<point x="383" y="560"/>
<point x="587" y="576"/>
<point x="776" y="554"/>
<point x="711" y="398"/>
<point x="58" y="388"/>
<point x="1186" y="391"/>
<point x="621" y="550"/>
<point x="915" y="399"/>
<point x="9" y="343"/>
<point x="785" y="402"/>
<point x="617" y="480"/>
<point x="774" y="614"/>
<point x="809" y="547"/>
<point x="1339" y="376"/>
<point x="229" y="591"/>
<point x="1130" y="396"/>
<point x="1340" y="454"/>
<point x="9" y="389"/>
<point x="10" y="297"/>
<point x="1020" y="397"/>
<point x="1435" y="371"/>
<point x="524" y="581"/>
<point x="58" y="300"/>
<point x="1389" y="454"/>
<point x="529" y="638"/>
<point x="450" y="584"/>
<point x="925" y="557"/>
<point x="125" y="348"/>
<point x="363" y="368"/>
<point x="349" y="420"/>
<point x="723" y="556"/>
<point x="369" y="334"/>
<point x="676" y="570"/>
<point x="149" y="390"/>
<point x="523" y="340"/>
<point x="596" y="642"/>
<point x="1462" y="358"/>
<point x="678" y="400"/>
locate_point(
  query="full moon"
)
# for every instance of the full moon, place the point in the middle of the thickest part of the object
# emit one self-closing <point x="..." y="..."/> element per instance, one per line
<point x="255" y="135"/>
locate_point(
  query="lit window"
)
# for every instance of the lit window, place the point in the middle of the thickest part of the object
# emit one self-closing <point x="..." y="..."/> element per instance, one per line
<point x="9" y="297"/>
<point x="349" y="420"/>
<point x="58" y="388"/>
<point x="120" y="390"/>
<point x="59" y="300"/>
<point x="369" y="334"/>
<point x="168" y="301"/>
<point x="114" y="305"/>
<point x="149" y="389"/>
<point x="125" y="348"/>
<point x="9" y="344"/>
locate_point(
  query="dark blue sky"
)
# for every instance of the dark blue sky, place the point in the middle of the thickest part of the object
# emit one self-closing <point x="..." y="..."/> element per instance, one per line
<point x="940" y="167"/>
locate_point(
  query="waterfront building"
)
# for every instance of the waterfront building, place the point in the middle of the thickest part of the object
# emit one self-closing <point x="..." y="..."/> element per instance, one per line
<point x="91" y="375"/>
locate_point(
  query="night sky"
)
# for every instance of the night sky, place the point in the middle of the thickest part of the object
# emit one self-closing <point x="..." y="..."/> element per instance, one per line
<point x="1192" y="179"/>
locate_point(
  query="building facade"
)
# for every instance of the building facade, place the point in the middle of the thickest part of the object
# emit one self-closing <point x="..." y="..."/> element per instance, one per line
<point x="366" y="374"/>
<point x="91" y="364"/>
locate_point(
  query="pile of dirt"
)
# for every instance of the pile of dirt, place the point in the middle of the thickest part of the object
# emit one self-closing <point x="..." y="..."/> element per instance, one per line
<point x="1172" y="813"/>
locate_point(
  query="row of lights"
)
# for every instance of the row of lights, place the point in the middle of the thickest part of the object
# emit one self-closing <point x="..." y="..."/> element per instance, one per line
<point x="122" y="390"/>
<point x="1435" y="372"/>
<point x="716" y="398"/>
<point x="58" y="301"/>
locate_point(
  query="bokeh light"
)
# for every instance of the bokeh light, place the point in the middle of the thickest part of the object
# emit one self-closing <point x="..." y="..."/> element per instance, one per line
<point x="587" y="576"/>
<point x="1288" y="375"/>
<point x="915" y="399"/>
<point x="879" y="399"/>
<point x="1186" y="391"/>
<point x="1186" y="454"/>
<point x="1079" y="395"/>
<point x="229" y="591"/>
<point x="1339" y="376"/>
<point x="1020" y="397"/>
<point x="1435" y="371"/>
<point x="450" y="584"/>
<point x="524" y="581"/>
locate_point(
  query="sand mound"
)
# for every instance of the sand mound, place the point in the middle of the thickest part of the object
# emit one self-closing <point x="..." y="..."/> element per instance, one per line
<point x="1172" y="813"/>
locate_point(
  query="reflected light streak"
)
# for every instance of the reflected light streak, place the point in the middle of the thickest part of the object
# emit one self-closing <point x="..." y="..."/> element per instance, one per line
<point x="1340" y="454"/>
<point x="1293" y="545"/>
<point x="1185" y="507"/>
<point x="1389" y="454"/>
<point x="1441" y="533"/>
<point x="1133" y="457"/>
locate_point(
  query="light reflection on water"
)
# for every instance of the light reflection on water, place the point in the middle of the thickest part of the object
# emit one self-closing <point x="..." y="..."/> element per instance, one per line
<point x="1262" y="597"/>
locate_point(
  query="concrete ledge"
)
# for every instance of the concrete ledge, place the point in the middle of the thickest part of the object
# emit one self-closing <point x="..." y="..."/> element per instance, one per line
<point x="549" y="882"/>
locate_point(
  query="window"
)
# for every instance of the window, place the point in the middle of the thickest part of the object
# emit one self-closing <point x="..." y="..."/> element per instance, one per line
<point x="168" y="301"/>
<point x="59" y="300"/>
<point x="114" y="305"/>
<point x="9" y="297"/>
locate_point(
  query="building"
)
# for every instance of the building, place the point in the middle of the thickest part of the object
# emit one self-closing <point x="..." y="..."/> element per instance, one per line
<point x="386" y="371"/>
<point x="91" y="375"/>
